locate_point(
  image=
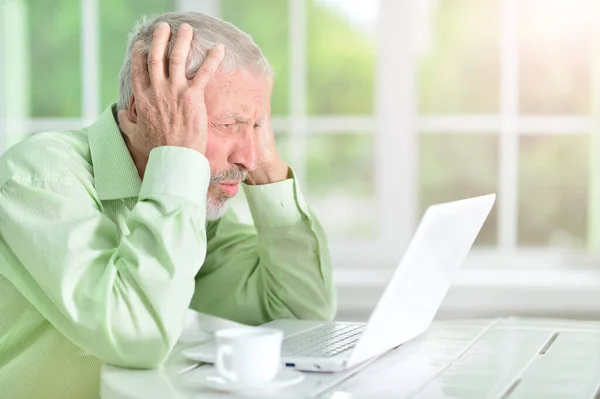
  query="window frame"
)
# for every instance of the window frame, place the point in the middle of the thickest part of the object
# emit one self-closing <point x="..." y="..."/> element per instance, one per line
<point x="395" y="123"/>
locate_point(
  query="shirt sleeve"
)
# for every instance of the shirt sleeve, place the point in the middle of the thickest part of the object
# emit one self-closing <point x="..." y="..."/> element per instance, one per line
<point x="277" y="268"/>
<point x="120" y="298"/>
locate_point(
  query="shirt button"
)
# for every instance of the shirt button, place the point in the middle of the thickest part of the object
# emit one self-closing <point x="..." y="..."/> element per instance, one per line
<point x="284" y="204"/>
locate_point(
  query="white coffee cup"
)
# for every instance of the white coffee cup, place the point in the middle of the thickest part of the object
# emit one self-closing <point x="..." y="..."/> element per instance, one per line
<point x="249" y="356"/>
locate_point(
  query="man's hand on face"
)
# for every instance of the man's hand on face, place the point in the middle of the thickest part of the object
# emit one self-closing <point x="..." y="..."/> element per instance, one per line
<point x="166" y="108"/>
<point x="271" y="167"/>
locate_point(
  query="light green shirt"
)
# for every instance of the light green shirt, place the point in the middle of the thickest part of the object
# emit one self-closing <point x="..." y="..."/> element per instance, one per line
<point x="98" y="266"/>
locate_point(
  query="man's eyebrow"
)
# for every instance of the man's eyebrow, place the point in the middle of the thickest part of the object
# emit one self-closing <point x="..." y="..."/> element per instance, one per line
<point x="240" y="120"/>
<point x="237" y="118"/>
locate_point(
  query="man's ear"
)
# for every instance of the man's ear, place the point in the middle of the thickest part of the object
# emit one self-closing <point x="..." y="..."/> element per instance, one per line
<point x="132" y="110"/>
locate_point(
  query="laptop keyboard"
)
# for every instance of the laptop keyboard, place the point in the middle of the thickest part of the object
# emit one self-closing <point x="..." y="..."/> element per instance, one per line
<point x="325" y="341"/>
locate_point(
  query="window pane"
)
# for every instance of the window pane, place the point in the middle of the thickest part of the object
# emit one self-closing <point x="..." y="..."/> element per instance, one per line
<point x="341" y="183"/>
<point x="555" y="54"/>
<point x="457" y="166"/>
<point x="267" y="22"/>
<point x="553" y="190"/>
<point x="114" y="30"/>
<point x="459" y="65"/>
<point x="341" y="56"/>
<point x="55" y="50"/>
<point x="282" y="141"/>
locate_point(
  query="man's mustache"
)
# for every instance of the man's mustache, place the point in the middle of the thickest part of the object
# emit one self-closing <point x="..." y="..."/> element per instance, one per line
<point x="233" y="173"/>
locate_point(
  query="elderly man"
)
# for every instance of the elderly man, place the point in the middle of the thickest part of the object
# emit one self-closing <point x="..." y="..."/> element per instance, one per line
<point x="108" y="234"/>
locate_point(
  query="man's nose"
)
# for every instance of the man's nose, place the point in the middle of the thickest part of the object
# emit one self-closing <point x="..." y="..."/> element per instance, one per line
<point x="247" y="150"/>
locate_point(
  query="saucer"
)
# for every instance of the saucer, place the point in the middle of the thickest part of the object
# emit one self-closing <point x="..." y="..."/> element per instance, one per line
<point x="284" y="378"/>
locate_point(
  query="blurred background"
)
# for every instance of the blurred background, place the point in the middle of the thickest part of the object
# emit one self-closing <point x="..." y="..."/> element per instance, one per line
<point x="384" y="107"/>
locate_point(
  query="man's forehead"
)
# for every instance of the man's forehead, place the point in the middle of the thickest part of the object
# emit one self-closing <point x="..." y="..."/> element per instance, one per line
<point x="241" y="80"/>
<point x="239" y="95"/>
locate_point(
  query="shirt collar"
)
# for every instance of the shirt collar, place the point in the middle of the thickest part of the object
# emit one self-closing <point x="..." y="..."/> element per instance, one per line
<point x="115" y="174"/>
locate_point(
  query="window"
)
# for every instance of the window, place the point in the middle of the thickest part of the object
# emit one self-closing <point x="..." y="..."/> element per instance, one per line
<point x="382" y="107"/>
<point x="505" y="104"/>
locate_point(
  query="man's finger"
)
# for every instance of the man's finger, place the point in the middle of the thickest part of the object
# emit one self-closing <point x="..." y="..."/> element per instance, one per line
<point x="179" y="54"/>
<point x="138" y="68"/>
<point x="158" y="51"/>
<point x="209" y="67"/>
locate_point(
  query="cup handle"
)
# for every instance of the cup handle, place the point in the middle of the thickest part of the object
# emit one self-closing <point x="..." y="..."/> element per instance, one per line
<point x="224" y="351"/>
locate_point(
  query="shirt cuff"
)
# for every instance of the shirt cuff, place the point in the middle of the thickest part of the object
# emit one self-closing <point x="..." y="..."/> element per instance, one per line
<point x="278" y="204"/>
<point x="176" y="171"/>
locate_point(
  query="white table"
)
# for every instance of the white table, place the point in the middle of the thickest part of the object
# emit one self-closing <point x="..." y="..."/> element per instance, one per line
<point x="482" y="358"/>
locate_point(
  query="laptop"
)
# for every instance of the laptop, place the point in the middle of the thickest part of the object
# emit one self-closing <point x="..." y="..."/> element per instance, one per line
<point x="407" y="306"/>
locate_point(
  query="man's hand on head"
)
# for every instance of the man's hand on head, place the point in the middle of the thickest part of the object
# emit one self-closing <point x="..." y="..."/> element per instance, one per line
<point x="167" y="109"/>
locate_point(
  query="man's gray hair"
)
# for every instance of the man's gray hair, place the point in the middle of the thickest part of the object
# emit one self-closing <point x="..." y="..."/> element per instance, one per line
<point x="240" y="50"/>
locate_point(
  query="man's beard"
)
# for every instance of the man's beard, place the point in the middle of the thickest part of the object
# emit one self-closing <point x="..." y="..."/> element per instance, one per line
<point x="217" y="206"/>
